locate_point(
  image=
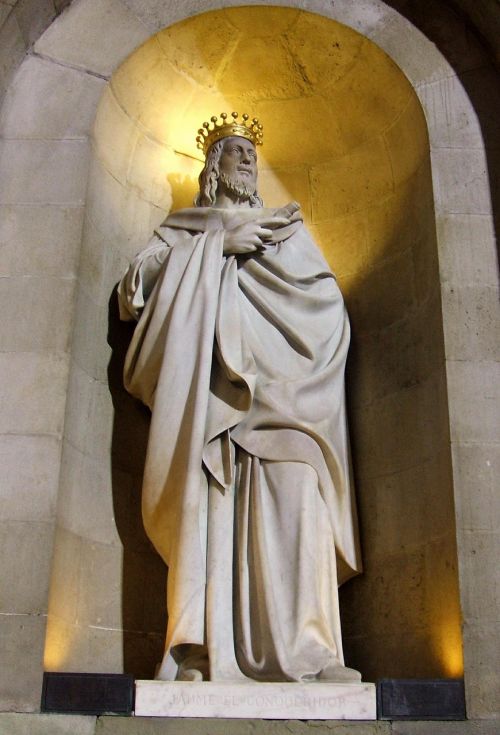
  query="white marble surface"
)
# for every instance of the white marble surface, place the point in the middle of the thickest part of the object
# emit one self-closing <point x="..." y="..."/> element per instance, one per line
<point x="291" y="701"/>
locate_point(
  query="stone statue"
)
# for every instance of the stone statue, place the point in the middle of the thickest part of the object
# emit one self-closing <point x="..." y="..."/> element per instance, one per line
<point x="239" y="351"/>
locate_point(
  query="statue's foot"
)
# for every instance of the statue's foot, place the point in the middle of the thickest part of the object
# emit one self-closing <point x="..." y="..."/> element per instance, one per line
<point x="189" y="675"/>
<point x="194" y="665"/>
<point x="336" y="673"/>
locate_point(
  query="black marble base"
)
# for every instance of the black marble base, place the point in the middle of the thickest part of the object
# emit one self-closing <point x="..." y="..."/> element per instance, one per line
<point x="87" y="694"/>
<point x="420" y="699"/>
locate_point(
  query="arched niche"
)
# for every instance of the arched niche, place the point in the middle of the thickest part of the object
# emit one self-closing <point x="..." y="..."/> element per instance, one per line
<point x="47" y="113"/>
<point x="345" y="135"/>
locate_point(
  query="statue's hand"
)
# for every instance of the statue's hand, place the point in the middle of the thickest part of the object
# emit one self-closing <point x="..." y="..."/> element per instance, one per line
<point x="291" y="211"/>
<point x="251" y="236"/>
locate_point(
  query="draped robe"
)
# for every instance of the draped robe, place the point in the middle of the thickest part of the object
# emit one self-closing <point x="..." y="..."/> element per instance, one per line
<point x="247" y="491"/>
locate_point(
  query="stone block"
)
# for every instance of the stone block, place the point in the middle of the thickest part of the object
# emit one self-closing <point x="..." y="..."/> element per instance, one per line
<point x="280" y="186"/>
<point x="100" y="586"/>
<point x="40" y="240"/>
<point x="403" y="354"/>
<point x="402" y="219"/>
<point x="43" y="172"/>
<point x="402" y="429"/>
<point x="89" y="415"/>
<point x="30" y="474"/>
<point x="90" y="348"/>
<point x="38" y="313"/>
<point x="150" y="165"/>
<point x="482" y="681"/>
<point x="92" y="260"/>
<point x="124" y="220"/>
<point x="407" y="141"/>
<point x="21" y="650"/>
<point x="442" y="600"/>
<point x="480" y="588"/>
<point x="382" y="295"/>
<point x="393" y="604"/>
<point x="218" y="35"/>
<point x="66" y="645"/>
<point x="15" y="723"/>
<point x="412" y="51"/>
<point x="35" y="398"/>
<point x="451" y="118"/>
<point x="117" y="588"/>
<point x="87" y="483"/>
<point x="65" y="577"/>
<point x="445" y="728"/>
<point x="12" y="49"/>
<point x="212" y="726"/>
<point x="471" y="317"/>
<point x="474" y="396"/>
<point x="476" y="469"/>
<point x="135" y="85"/>
<point x="344" y="242"/>
<point x="158" y="14"/>
<point x="28" y="547"/>
<point x="4" y="12"/>
<point x="248" y="71"/>
<point x="115" y="135"/>
<point x="406" y="509"/>
<point x="467" y="250"/>
<point x="320" y="115"/>
<point x="460" y="180"/>
<point x="365" y="16"/>
<point x="47" y="100"/>
<point x="351" y="183"/>
<point x="33" y="17"/>
<point x="93" y="36"/>
<point x="372" y="94"/>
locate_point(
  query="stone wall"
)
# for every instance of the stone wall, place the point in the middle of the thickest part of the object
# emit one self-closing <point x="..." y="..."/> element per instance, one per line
<point x="46" y="119"/>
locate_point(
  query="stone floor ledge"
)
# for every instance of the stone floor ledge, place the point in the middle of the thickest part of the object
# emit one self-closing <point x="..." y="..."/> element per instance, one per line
<point x="12" y="723"/>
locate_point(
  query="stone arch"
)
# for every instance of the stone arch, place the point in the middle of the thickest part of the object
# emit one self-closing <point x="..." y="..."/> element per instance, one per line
<point x="44" y="166"/>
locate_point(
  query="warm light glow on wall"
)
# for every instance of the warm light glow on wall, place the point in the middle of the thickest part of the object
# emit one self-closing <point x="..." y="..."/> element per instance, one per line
<point x="447" y="645"/>
<point x="59" y="644"/>
<point x="344" y="132"/>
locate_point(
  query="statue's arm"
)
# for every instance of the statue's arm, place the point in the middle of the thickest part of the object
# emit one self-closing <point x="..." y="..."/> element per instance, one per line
<point x="140" y="278"/>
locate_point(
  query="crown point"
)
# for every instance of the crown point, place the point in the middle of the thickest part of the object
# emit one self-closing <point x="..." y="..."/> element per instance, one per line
<point x="220" y="128"/>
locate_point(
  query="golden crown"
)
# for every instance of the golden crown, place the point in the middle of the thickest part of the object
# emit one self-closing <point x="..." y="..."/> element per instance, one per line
<point x="245" y="128"/>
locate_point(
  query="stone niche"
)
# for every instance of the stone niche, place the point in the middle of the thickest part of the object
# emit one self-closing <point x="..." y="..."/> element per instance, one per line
<point x="345" y="135"/>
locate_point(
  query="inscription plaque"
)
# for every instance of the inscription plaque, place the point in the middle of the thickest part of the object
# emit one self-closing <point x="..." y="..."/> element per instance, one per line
<point x="353" y="701"/>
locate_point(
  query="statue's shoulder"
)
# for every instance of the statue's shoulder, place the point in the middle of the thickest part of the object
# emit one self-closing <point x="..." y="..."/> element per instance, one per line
<point x="193" y="219"/>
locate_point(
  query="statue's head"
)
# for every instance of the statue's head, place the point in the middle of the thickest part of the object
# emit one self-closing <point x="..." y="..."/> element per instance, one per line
<point x="231" y="165"/>
<point x="231" y="160"/>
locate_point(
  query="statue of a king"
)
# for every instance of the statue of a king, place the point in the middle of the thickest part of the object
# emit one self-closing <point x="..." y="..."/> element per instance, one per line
<point x="239" y="352"/>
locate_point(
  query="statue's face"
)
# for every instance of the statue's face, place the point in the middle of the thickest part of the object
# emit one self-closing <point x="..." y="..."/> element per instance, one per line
<point x="238" y="163"/>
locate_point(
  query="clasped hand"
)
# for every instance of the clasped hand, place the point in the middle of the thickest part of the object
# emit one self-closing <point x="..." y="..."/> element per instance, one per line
<point x="252" y="236"/>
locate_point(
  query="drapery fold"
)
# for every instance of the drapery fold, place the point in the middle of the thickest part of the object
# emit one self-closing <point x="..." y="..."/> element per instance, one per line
<point x="235" y="352"/>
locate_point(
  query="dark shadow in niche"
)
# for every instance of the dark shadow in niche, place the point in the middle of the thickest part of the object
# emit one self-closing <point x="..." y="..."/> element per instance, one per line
<point x="143" y="572"/>
<point x="474" y="59"/>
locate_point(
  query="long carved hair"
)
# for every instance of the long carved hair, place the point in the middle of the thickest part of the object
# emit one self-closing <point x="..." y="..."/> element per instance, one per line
<point x="208" y="180"/>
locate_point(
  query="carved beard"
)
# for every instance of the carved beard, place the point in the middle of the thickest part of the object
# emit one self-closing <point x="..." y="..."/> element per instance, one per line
<point x="235" y="185"/>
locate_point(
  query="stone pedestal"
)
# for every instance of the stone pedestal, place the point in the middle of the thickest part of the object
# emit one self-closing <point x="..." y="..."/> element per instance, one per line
<point x="315" y="701"/>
